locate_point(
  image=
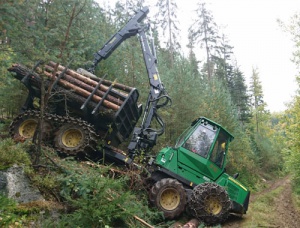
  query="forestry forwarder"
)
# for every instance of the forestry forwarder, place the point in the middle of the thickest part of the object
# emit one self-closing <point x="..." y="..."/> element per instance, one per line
<point x="191" y="175"/>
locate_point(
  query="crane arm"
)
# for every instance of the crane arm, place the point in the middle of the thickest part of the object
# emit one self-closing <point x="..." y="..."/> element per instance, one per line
<point x="130" y="29"/>
<point x="144" y="137"/>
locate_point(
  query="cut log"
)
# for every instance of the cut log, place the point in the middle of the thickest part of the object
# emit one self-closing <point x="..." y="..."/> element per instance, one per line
<point x="89" y="80"/>
<point x="35" y="84"/>
<point x="83" y="92"/>
<point x="194" y="223"/>
<point x="85" y="86"/>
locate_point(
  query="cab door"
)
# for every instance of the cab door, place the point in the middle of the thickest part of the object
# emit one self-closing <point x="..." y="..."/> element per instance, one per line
<point x="204" y="152"/>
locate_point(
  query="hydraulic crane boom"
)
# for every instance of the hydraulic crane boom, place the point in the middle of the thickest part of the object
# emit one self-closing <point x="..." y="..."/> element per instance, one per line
<point x="144" y="137"/>
<point x="130" y="29"/>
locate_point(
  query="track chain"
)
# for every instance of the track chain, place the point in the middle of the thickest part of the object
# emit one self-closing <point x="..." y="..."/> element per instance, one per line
<point x="90" y="140"/>
<point x="197" y="206"/>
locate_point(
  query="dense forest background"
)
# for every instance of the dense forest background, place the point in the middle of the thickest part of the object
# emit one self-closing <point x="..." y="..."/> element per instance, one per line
<point x="70" y="32"/>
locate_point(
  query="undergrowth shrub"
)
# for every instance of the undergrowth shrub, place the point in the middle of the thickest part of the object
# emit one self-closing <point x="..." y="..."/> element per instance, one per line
<point x="12" y="153"/>
<point x="6" y="207"/>
<point x="12" y="215"/>
<point x="4" y="126"/>
<point x="95" y="200"/>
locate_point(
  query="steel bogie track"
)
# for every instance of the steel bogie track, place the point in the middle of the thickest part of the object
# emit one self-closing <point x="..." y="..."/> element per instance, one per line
<point x="66" y="134"/>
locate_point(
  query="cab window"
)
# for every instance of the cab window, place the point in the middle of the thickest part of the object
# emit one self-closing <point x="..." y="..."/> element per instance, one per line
<point x="218" y="153"/>
<point x="201" y="140"/>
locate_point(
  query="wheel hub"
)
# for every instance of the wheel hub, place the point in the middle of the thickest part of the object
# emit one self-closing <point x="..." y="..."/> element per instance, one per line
<point x="27" y="128"/>
<point x="213" y="205"/>
<point x="170" y="199"/>
<point x="72" y="138"/>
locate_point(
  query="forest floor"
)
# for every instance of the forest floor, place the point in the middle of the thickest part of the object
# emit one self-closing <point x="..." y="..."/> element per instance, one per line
<point x="272" y="207"/>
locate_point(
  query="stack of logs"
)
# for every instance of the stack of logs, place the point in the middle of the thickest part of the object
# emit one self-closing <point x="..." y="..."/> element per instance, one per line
<point x="83" y="85"/>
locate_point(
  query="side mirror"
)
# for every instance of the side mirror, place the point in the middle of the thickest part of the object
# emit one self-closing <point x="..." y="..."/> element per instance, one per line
<point x="236" y="175"/>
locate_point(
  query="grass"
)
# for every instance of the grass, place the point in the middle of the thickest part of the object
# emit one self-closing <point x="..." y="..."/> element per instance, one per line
<point x="261" y="213"/>
<point x="296" y="200"/>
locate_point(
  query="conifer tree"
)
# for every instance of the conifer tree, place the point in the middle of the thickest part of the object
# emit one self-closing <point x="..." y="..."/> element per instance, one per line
<point x="204" y="32"/>
<point x="240" y="96"/>
<point x="223" y="68"/>
<point x="258" y="104"/>
<point x="192" y="57"/>
<point x="167" y="19"/>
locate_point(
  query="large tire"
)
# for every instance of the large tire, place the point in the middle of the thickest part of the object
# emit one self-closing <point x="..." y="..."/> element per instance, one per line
<point x="74" y="139"/>
<point x="210" y="203"/>
<point x="24" y="125"/>
<point x="169" y="196"/>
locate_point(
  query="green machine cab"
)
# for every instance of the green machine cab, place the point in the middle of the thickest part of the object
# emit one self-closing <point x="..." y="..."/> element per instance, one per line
<point x="198" y="162"/>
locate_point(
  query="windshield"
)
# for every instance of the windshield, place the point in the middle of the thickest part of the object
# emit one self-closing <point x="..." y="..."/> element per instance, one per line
<point x="201" y="140"/>
<point x="182" y="137"/>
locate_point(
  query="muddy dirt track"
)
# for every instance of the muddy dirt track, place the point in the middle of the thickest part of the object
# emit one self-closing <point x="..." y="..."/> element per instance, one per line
<point x="286" y="215"/>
